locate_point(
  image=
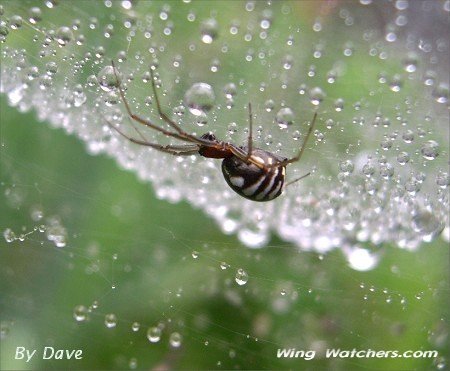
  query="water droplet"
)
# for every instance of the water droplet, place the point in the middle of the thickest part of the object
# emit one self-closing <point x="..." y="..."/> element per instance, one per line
<point x="316" y="95"/>
<point x="80" y="313"/>
<point x="386" y="170"/>
<point x="427" y="225"/>
<point x="408" y="136"/>
<point x="339" y="105"/>
<point x="403" y="158"/>
<point x="154" y="334"/>
<point x="133" y="363"/>
<point x="443" y="180"/>
<point x="346" y="167"/>
<point x="269" y="105"/>
<point x="175" y="340"/>
<point x="36" y="213"/>
<point x="9" y="235"/>
<point x="35" y="15"/>
<point x="135" y="326"/>
<point x="56" y="233"/>
<point x="209" y="30"/>
<point x="4" y="329"/>
<point x="199" y="98"/>
<point x="107" y="78"/>
<point x="285" y="117"/>
<point x="230" y="90"/>
<point x="63" y="35"/>
<point x="410" y="62"/>
<point x="15" y="22"/>
<point x="110" y="320"/>
<point x="430" y="150"/>
<point x="241" y="277"/>
<point x="288" y="60"/>
<point x="440" y="93"/>
<point x="362" y="260"/>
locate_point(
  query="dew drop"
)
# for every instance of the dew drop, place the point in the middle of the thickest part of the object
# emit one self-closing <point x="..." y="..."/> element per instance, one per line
<point x="107" y="78"/>
<point x="9" y="235"/>
<point x="408" y="136"/>
<point x="135" y="326"/>
<point x="15" y="22"/>
<point x="199" y="98"/>
<point x="269" y="105"/>
<point x="154" y="334"/>
<point x="110" y="320"/>
<point x="316" y="95"/>
<point x="339" y="105"/>
<point x="441" y="93"/>
<point x="403" y="158"/>
<point x="427" y="225"/>
<point x="443" y="180"/>
<point x="230" y="90"/>
<point x="241" y="277"/>
<point x="346" y="167"/>
<point x="175" y="340"/>
<point x="35" y="15"/>
<point x="430" y="150"/>
<point x="284" y="117"/>
<point x="209" y="30"/>
<point x="80" y="313"/>
<point x="63" y="35"/>
<point x="56" y="233"/>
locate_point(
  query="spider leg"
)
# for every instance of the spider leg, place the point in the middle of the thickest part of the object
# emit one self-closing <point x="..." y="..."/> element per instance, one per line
<point x="148" y="123"/>
<point x="250" y="132"/>
<point x="185" y="150"/>
<point x="302" y="148"/>
<point x="296" y="180"/>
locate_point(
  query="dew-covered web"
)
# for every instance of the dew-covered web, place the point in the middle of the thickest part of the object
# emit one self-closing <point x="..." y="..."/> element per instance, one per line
<point x="153" y="284"/>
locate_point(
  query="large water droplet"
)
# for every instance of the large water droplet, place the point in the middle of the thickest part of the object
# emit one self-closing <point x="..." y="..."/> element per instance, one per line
<point x="154" y="334"/>
<point x="241" y="277"/>
<point x="199" y="98"/>
<point x="63" y="35"/>
<point x="209" y="30"/>
<point x="80" y="313"/>
<point x="284" y="117"/>
<point x="110" y="320"/>
<point x="175" y="340"/>
<point x="430" y="150"/>
<point x="107" y="78"/>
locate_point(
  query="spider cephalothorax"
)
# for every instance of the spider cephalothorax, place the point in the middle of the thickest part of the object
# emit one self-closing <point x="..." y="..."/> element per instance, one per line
<point x="253" y="173"/>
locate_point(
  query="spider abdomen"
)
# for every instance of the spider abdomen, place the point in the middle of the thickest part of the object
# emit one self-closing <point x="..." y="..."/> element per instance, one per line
<point x="251" y="181"/>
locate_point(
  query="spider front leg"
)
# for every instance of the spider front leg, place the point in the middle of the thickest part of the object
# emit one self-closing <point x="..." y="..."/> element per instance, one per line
<point x="250" y="132"/>
<point x="302" y="148"/>
<point x="138" y="119"/>
<point x="183" y="150"/>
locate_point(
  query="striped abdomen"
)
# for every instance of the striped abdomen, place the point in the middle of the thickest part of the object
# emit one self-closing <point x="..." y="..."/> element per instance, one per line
<point x="252" y="182"/>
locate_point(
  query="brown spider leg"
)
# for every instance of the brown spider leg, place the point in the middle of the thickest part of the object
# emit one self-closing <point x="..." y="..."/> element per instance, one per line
<point x="171" y="149"/>
<point x="302" y="148"/>
<point x="147" y="122"/>
<point x="250" y="132"/>
<point x="296" y="180"/>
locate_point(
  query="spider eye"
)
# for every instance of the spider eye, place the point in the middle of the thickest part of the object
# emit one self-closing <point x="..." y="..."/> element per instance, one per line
<point x="209" y="136"/>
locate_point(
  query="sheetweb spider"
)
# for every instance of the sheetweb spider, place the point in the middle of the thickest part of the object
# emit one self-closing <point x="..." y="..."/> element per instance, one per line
<point x="253" y="173"/>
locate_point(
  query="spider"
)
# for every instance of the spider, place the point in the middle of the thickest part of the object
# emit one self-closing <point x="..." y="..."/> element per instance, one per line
<point x="253" y="173"/>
